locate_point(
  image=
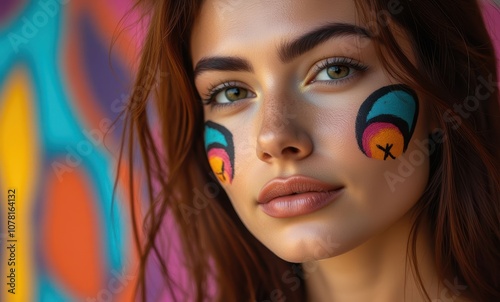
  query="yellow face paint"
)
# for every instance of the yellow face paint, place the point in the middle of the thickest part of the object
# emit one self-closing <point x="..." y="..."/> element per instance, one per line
<point x="220" y="151"/>
<point x="217" y="165"/>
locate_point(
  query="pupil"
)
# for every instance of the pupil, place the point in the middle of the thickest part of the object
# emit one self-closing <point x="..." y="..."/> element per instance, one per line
<point x="234" y="94"/>
<point x="336" y="72"/>
<point x="235" y="91"/>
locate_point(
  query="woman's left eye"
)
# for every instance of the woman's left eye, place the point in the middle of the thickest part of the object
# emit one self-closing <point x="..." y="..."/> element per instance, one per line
<point x="337" y="69"/>
<point x="334" y="72"/>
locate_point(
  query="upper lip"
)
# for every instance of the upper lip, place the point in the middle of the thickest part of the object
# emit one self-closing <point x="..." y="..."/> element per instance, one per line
<point x="278" y="187"/>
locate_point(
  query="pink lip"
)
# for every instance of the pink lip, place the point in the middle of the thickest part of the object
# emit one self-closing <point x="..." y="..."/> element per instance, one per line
<point x="297" y="195"/>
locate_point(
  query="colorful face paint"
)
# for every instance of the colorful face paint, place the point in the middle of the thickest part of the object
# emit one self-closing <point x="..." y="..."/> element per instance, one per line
<point x="220" y="151"/>
<point x="386" y="121"/>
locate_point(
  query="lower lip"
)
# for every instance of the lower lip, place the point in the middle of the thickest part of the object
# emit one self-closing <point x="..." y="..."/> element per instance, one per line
<point x="299" y="204"/>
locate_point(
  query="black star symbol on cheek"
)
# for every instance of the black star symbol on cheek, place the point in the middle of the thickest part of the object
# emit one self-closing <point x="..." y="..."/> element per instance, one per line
<point x="387" y="150"/>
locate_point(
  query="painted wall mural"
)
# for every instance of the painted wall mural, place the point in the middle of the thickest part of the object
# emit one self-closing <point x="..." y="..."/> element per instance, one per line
<point x="60" y="90"/>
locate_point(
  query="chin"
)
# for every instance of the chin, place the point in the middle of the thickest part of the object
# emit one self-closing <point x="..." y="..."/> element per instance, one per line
<point x="311" y="247"/>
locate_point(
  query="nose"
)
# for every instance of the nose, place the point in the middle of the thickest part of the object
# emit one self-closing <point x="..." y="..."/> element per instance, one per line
<point x="281" y="137"/>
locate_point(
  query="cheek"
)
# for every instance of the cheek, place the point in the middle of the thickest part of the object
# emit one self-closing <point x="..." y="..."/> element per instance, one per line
<point x="220" y="151"/>
<point x="386" y="122"/>
<point x="387" y="130"/>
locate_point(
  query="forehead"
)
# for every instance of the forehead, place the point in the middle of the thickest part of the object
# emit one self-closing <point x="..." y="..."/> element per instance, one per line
<point x="226" y="26"/>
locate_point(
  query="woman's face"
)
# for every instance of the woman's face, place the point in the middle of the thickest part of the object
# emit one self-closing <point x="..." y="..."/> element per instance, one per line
<point x="315" y="144"/>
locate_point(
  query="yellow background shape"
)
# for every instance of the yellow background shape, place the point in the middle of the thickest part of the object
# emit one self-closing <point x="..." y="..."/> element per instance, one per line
<point x="18" y="161"/>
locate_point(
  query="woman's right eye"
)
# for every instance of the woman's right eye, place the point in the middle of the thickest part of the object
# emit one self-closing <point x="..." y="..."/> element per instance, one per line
<point x="230" y="95"/>
<point x="227" y="93"/>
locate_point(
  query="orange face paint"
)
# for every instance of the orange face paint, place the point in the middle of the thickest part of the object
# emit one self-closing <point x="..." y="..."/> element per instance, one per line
<point x="386" y="121"/>
<point x="220" y="151"/>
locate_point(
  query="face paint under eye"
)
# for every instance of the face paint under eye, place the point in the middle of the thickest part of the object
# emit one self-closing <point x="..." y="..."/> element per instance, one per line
<point x="386" y="121"/>
<point x="220" y="151"/>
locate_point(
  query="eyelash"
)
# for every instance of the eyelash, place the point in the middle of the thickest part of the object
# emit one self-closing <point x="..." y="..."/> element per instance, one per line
<point x="214" y="89"/>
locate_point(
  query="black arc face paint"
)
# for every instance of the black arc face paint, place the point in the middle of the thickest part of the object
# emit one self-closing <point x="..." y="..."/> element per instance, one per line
<point x="220" y="151"/>
<point x="386" y="121"/>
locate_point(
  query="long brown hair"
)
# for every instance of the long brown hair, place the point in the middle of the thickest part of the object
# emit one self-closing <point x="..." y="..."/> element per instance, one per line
<point x="455" y="65"/>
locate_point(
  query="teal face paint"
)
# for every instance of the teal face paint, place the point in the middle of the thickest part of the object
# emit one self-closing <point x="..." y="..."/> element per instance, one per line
<point x="220" y="151"/>
<point x="386" y="122"/>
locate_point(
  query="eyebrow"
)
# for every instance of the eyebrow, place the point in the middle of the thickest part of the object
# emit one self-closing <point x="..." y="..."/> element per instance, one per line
<point x="287" y="51"/>
<point x="222" y="64"/>
<point x="290" y="50"/>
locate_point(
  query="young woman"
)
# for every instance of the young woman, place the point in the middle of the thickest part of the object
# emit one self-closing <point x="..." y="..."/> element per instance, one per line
<point x="325" y="150"/>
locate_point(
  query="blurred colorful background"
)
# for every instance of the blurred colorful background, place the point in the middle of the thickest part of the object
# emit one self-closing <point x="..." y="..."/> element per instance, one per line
<point x="60" y="90"/>
<point x="61" y="86"/>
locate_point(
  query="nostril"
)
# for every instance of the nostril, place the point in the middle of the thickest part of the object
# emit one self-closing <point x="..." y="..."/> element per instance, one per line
<point x="290" y="150"/>
<point x="266" y="156"/>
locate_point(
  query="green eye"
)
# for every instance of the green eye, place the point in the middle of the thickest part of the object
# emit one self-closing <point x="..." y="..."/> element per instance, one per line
<point x="231" y="94"/>
<point x="227" y="93"/>
<point x="235" y="93"/>
<point x="336" y="72"/>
